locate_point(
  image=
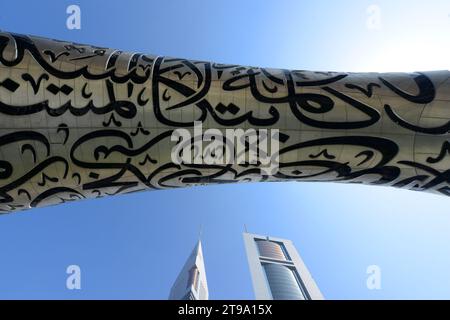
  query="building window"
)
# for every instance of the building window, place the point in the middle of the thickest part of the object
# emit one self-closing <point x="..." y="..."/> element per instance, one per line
<point x="283" y="282"/>
<point x="272" y="249"/>
<point x="193" y="278"/>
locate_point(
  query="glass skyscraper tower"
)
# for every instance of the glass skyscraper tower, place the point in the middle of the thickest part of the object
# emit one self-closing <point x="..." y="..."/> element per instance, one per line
<point x="277" y="271"/>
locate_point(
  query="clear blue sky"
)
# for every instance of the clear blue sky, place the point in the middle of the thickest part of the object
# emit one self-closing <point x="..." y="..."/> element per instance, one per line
<point x="133" y="246"/>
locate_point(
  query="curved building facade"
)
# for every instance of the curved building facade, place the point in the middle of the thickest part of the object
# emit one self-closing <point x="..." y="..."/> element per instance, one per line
<point x="80" y="121"/>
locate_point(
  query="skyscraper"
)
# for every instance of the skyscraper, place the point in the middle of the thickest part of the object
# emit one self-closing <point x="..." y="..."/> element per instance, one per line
<point x="191" y="282"/>
<point x="277" y="271"/>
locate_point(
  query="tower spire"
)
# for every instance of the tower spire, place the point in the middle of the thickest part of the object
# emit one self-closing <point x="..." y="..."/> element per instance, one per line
<point x="200" y="233"/>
